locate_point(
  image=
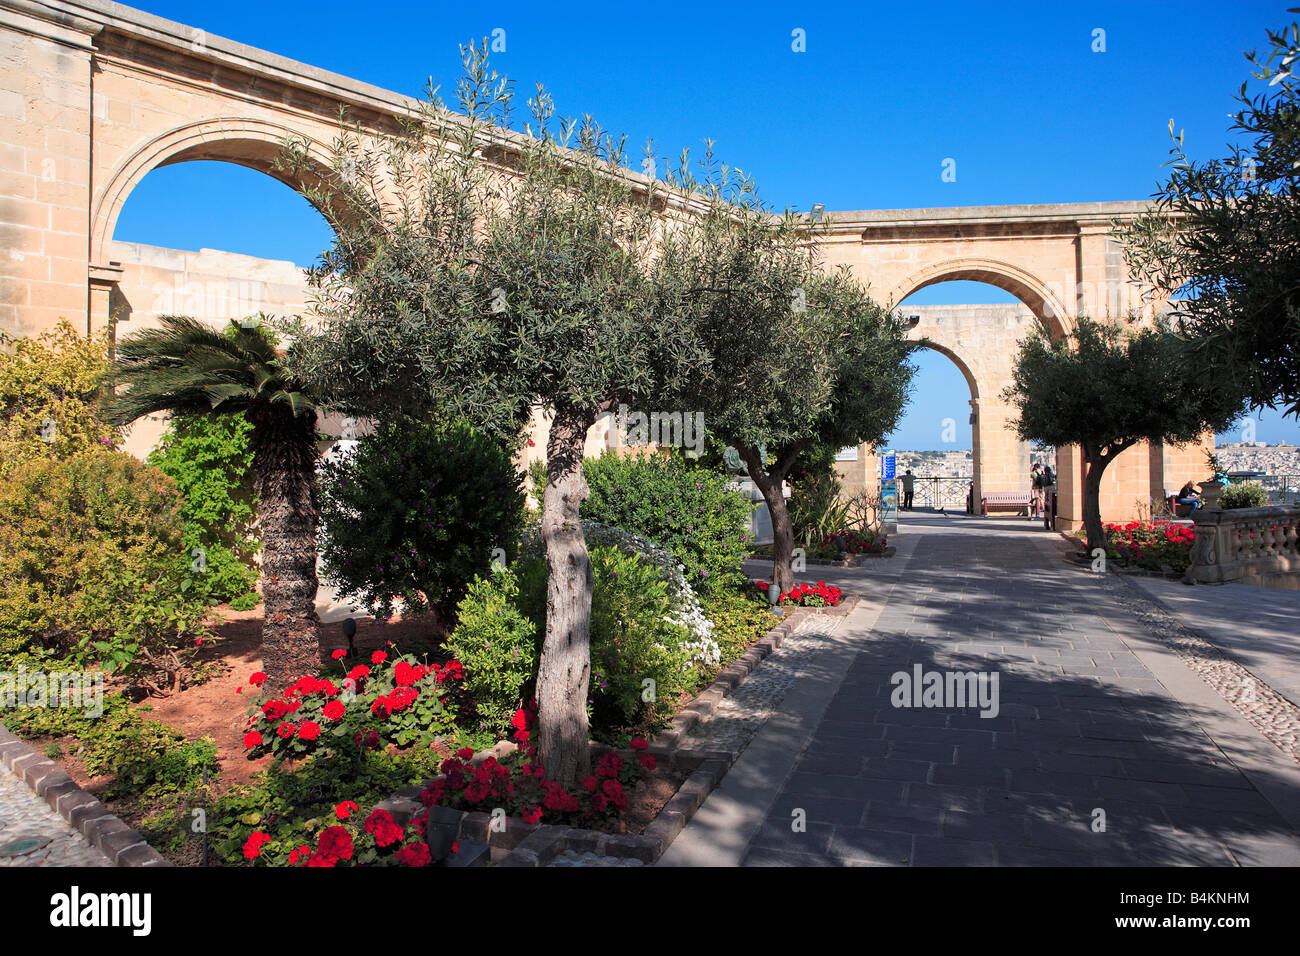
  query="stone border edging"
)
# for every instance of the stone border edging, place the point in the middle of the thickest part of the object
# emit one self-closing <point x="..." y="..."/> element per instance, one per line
<point x="122" y="844"/>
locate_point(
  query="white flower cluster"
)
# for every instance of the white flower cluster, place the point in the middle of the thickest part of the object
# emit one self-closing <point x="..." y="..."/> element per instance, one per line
<point x="687" y="611"/>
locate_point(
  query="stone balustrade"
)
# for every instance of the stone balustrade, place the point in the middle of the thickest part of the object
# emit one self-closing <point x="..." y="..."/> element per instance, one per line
<point x="1248" y="545"/>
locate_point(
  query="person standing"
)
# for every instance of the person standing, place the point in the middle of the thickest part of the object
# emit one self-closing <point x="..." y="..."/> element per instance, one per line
<point x="1049" y="497"/>
<point x="1035" y="491"/>
<point x="909" y="481"/>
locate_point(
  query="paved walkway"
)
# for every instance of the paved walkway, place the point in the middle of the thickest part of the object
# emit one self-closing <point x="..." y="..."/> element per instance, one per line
<point x="1107" y="749"/>
<point x="1257" y="625"/>
<point x="32" y="834"/>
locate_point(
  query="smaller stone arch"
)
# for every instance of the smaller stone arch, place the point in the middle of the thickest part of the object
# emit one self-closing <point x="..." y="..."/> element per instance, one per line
<point x="1028" y="288"/>
<point x="252" y="143"/>
<point x="957" y="360"/>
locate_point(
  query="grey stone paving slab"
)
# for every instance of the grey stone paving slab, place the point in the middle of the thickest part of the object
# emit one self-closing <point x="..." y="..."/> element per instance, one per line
<point x="1097" y="724"/>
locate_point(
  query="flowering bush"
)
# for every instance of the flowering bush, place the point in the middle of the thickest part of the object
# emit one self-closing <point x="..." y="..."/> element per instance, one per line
<point x="518" y="784"/>
<point x="850" y="542"/>
<point x="820" y="594"/>
<point x="691" y="512"/>
<point x="396" y="701"/>
<point x="1150" y="544"/>
<point x="346" y="840"/>
<point x="684" y="605"/>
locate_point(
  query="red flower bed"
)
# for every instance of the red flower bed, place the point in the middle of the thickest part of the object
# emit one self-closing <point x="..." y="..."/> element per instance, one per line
<point x="519" y="785"/>
<point x="1151" y="545"/>
<point x="820" y="594"/>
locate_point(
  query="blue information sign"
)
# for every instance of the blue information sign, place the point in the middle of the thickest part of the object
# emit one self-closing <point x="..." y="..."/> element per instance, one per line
<point x="887" y="465"/>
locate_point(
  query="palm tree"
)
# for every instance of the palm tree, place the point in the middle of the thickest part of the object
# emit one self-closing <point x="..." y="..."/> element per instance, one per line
<point x="185" y="367"/>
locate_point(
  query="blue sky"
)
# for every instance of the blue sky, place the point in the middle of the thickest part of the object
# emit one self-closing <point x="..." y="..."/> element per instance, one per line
<point x="863" y="119"/>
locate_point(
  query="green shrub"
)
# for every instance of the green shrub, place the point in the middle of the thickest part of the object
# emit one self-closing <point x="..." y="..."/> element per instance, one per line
<point x="141" y="754"/>
<point x="689" y="511"/>
<point x="49" y="388"/>
<point x="209" y="457"/>
<point x="496" y="642"/>
<point x="1247" y="494"/>
<point x="88" y="566"/>
<point x="640" y="659"/>
<point x="649" y="644"/>
<point x="415" y="513"/>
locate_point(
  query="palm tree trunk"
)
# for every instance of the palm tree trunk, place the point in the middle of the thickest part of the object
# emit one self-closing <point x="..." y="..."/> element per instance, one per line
<point x="284" y="470"/>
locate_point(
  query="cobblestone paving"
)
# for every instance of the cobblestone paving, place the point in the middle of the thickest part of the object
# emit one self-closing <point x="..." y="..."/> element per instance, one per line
<point x="1083" y="729"/>
<point x="24" y="815"/>
<point x="1271" y="713"/>
<point x="743" y="712"/>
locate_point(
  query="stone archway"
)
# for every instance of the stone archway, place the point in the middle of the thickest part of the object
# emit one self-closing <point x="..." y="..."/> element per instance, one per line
<point x="1025" y="286"/>
<point x="252" y="143"/>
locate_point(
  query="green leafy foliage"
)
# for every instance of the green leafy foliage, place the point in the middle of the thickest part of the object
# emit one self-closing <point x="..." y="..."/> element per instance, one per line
<point x="496" y="642"/>
<point x="1246" y="494"/>
<point x="49" y="388"/>
<point x="142" y="755"/>
<point x="1106" y="387"/>
<point x="89" y="563"/>
<point x="415" y="512"/>
<point x="689" y="511"/>
<point x="1224" y="236"/>
<point x="209" y="457"/>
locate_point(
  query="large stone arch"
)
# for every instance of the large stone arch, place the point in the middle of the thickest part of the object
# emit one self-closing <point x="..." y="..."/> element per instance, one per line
<point x="1025" y="286"/>
<point x="252" y="143"/>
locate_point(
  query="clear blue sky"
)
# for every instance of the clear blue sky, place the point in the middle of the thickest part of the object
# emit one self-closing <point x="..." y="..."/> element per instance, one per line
<point x="864" y="119"/>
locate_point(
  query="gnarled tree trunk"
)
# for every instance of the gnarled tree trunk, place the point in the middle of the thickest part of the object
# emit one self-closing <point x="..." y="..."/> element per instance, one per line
<point x="782" y="527"/>
<point x="1096" y="465"/>
<point x="564" y="673"/>
<point x="284" y="477"/>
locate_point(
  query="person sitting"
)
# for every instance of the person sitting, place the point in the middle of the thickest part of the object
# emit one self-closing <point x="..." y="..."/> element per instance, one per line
<point x="1189" y="496"/>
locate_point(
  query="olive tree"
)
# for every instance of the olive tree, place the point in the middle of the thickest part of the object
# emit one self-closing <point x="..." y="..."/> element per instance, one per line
<point x="1106" y="387"/>
<point x="480" y="273"/>
<point x="1224" y="236"/>
<point x="798" y="356"/>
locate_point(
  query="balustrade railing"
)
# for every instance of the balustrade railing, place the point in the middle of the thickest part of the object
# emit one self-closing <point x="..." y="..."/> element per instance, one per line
<point x="1242" y="543"/>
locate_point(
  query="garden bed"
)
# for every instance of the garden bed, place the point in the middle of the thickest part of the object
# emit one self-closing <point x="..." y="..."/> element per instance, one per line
<point x="660" y="807"/>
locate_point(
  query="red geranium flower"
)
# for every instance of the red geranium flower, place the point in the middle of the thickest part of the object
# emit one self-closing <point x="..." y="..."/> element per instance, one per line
<point x="285" y="730"/>
<point x="335" y="844"/>
<point x="308" y="730"/>
<point x="253" y="845"/>
<point x="334" y="710"/>
<point x="345" y="809"/>
<point x="378" y="657"/>
<point x="415" y="854"/>
<point x="253" y="739"/>
<point x="258" y="679"/>
<point x="638" y="743"/>
<point x="383" y="828"/>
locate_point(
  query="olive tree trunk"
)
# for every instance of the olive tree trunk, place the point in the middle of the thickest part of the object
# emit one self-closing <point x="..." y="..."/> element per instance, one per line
<point x="284" y="478"/>
<point x="1096" y="465"/>
<point x="782" y="527"/>
<point x="564" y="672"/>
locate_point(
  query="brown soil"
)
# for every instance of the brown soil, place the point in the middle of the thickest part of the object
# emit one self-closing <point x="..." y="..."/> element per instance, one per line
<point x="646" y="800"/>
